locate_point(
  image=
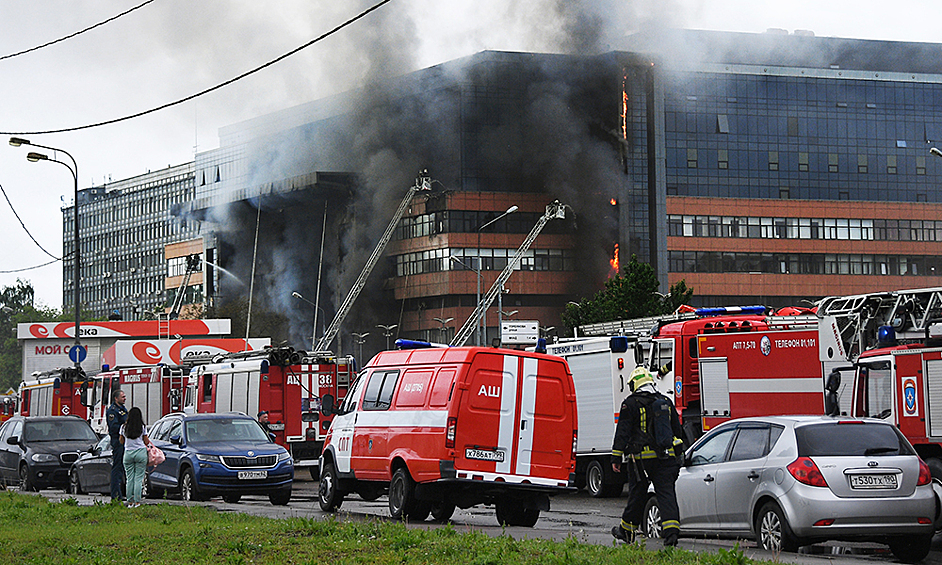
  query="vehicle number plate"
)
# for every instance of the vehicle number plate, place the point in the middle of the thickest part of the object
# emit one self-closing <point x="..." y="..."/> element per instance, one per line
<point x="484" y="455"/>
<point x="873" y="481"/>
<point x="253" y="475"/>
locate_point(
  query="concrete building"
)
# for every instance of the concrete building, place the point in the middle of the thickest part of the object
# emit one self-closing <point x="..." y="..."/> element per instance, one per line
<point x="759" y="168"/>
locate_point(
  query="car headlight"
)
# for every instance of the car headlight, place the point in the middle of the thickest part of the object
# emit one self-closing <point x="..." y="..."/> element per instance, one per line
<point x="209" y="458"/>
<point x="44" y="458"/>
<point x="283" y="456"/>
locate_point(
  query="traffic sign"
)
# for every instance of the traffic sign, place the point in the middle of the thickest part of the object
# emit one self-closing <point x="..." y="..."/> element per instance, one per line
<point x="520" y="331"/>
<point x="78" y="353"/>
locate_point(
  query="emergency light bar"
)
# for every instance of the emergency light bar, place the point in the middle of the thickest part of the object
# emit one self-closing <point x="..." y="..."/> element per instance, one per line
<point x="723" y="310"/>
<point x="417" y="344"/>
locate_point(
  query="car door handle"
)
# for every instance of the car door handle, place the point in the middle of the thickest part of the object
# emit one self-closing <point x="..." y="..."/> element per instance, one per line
<point x="708" y="479"/>
<point x="752" y="475"/>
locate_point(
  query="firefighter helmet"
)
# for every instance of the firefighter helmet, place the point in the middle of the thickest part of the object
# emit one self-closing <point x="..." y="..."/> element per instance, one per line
<point x="639" y="377"/>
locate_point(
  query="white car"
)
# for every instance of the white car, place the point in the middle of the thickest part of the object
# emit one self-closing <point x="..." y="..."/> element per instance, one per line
<point x="789" y="481"/>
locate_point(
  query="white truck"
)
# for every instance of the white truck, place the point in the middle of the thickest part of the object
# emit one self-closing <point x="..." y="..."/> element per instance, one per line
<point x="600" y="369"/>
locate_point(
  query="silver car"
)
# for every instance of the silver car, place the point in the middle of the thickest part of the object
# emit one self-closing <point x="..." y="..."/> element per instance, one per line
<point x="790" y="481"/>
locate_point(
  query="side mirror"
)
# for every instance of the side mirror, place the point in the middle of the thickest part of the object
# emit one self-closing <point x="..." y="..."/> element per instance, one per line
<point x="176" y="440"/>
<point x="13" y="440"/>
<point x="639" y="354"/>
<point x="834" y="382"/>
<point x="327" y="405"/>
<point x="83" y="394"/>
<point x="271" y="435"/>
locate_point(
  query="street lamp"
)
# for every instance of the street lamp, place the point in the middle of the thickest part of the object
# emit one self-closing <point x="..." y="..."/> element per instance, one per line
<point x="575" y="328"/>
<point x="500" y="295"/>
<point x="34" y="157"/>
<point x="316" y="308"/>
<point x="935" y="152"/>
<point x="359" y="339"/>
<point x="509" y="314"/>
<point x="441" y="331"/>
<point x="387" y="331"/>
<point x="478" y="271"/>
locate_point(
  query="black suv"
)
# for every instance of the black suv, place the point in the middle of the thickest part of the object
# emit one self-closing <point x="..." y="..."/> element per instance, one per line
<point x="37" y="451"/>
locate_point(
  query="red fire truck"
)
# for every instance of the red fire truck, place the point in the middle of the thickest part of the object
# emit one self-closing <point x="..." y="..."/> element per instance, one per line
<point x="288" y="384"/>
<point x="8" y="406"/>
<point x="53" y="393"/>
<point x="157" y="391"/>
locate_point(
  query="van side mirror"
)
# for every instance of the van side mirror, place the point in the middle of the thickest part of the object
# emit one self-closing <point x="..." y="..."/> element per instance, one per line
<point x="13" y="440"/>
<point x="83" y="394"/>
<point x="831" y="403"/>
<point x="327" y="405"/>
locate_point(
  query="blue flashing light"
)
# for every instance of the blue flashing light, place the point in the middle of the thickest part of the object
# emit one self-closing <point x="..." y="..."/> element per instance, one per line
<point x="540" y="345"/>
<point x="263" y="369"/>
<point x="726" y="310"/>
<point x="105" y="367"/>
<point x="618" y="344"/>
<point x="886" y="335"/>
<point x="413" y="344"/>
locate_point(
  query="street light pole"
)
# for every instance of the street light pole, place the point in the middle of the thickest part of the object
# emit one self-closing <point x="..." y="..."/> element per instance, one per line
<point x="478" y="271"/>
<point x="316" y="308"/>
<point x="510" y="210"/>
<point x="34" y="157"/>
<point x="441" y="331"/>
<point x="360" y="338"/>
<point x="387" y="331"/>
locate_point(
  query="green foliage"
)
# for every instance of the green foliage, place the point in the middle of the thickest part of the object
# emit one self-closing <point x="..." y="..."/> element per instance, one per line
<point x="17" y="306"/>
<point x="631" y="294"/>
<point x="34" y="530"/>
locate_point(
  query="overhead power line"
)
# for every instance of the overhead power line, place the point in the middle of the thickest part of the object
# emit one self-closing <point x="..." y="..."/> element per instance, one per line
<point x="29" y="268"/>
<point x="24" y="227"/>
<point x="211" y="89"/>
<point x="70" y="36"/>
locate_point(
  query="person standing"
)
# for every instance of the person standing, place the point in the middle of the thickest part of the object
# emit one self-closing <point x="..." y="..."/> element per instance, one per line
<point x="263" y="420"/>
<point x="649" y="445"/>
<point x="133" y="436"/>
<point x="116" y="416"/>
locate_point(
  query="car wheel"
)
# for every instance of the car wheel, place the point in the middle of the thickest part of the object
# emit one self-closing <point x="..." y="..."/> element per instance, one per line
<point x="150" y="491"/>
<point x="232" y="498"/>
<point x="328" y="493"/>
<point x="26" y="485"/>
<point x="402" y="501"/>
<point x="189" y="492"/>
<point x="514" y="513"/>
<point x="442" y="511"/>
<point x="772" y="530"/>
<point x="281" y="497"/>
<point x="651" y="521"/>
<point x="75" y="485"/>
<point x="911" y="549"/>
<point x="601" y="481"/>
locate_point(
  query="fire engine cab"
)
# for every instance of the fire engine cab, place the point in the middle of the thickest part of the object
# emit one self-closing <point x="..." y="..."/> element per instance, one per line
<point x="440" y="428"/>
<point x="53" y="393"/>
<point x="288" y="384"/>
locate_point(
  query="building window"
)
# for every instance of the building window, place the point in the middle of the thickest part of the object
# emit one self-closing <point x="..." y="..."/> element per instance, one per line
<point x="920" y="165"/>
<point x="722" y="158"/>
<point x="691" y="158"/>
<point x="862" y="164"/>
<point x="722" y="123"/>
<point x="891" y="164"/>
<point x="803" y="162"/>
<point x="784" y="193"/>
<point x="832" y="163"/>
<point x="793" y="127"/>
<point x="843" y="195"/>
<point x="773" y="160"/>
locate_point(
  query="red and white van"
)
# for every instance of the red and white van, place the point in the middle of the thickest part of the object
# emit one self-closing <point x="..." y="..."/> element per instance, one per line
<point x="441" y="428"/>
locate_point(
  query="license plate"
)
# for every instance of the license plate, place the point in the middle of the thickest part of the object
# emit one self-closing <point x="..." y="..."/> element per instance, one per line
<point x="873" y="481"/>
<point x="253" y="475"/>
<point x="484" y="455"/>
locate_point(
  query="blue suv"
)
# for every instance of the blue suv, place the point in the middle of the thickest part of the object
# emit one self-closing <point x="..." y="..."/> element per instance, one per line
<point x="226" y="455"/>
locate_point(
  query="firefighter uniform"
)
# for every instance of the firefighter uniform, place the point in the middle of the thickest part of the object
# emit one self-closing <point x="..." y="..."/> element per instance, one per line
<point x="116" y="416"/>
<point x="644" y="464"/>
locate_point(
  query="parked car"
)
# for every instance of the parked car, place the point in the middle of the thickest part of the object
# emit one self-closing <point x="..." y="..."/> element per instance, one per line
<point x="790" y="481"/>
<point x="227" y="455"/>
<point x="92" y="471"/>
<point x="37" y="451"/>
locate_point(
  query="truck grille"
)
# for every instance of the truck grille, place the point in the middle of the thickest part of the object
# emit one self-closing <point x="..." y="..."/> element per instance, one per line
<point x="69" y="457"/>
<point x="244" y="462"/>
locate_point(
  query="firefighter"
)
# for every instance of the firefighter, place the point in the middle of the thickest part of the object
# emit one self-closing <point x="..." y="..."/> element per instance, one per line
<point x="636" y="446"/>
<point x="116" y="416"/>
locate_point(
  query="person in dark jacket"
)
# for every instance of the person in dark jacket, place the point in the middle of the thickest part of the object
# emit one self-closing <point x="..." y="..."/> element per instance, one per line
<point x="633" y="446"/>
<point x="116" y="416"/>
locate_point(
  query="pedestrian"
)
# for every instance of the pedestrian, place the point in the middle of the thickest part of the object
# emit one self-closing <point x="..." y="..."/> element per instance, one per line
<point x="647" y="442"/>
<point x="116" y="416"/>
<point x="133" y="436"/>
<point x="263" y="420"/>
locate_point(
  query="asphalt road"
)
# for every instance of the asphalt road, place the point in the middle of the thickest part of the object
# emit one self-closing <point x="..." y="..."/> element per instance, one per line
<point x="587" y="519"/>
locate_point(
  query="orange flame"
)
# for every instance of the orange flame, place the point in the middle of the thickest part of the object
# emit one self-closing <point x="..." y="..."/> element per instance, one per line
<point x="613" y="263"/>
<point x="613" y="202"/>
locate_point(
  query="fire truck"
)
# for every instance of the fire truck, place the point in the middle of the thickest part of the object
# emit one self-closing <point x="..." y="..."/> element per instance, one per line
<point x="53" y="393"/>
<point x="8" y="406"/>
<point x="286" y="383"/>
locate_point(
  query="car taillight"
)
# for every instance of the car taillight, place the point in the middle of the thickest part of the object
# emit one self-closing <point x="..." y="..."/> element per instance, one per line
<point x="575" y="441"/>
<point x="805" y="471"/>
<point x="450" y="429"/>
<point x="925" y="475"/>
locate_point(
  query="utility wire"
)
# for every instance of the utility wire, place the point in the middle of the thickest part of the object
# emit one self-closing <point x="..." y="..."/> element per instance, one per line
<point x="99" y="24"/>
<point x="213" y="88"/>
<point x="28" y="268"/>
<point x="24" y="226"/>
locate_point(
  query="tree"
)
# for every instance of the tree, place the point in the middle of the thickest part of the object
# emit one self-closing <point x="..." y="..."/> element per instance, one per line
<point x="17" y="307"/>
<point x="630" y="294"/>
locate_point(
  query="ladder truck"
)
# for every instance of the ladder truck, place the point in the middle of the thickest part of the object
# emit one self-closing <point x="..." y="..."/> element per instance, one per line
<point x="422" y="183"/>
<point x="554" y="211"/>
